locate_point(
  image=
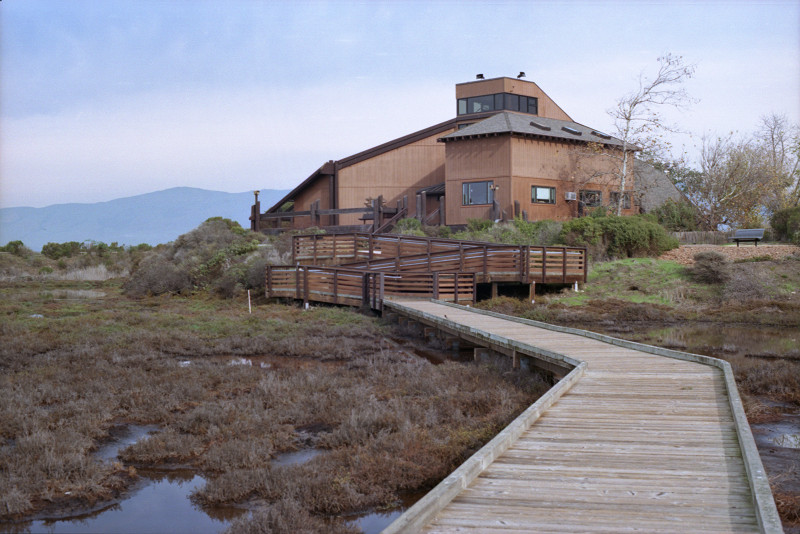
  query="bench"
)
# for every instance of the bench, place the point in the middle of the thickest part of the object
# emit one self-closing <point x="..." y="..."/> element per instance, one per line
<point x="749" y="234"/>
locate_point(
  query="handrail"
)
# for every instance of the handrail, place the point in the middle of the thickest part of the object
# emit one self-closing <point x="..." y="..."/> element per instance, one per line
<point x="355" y="287"/>
<point x="500" y="262"/>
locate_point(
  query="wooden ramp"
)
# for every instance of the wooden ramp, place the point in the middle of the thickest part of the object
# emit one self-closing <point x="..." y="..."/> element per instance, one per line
<point x="633" y="439"/>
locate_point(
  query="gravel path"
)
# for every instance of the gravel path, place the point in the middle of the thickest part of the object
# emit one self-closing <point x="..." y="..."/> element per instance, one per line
<point x="685" y="253"/>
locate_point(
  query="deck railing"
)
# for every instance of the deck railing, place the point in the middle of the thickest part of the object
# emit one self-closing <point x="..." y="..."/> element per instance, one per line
<point x="490" y="262"/>
<point x="354" y="287"/>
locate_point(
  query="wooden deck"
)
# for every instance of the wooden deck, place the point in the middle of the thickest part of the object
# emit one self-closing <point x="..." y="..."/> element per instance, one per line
<point x="634" y="439"/>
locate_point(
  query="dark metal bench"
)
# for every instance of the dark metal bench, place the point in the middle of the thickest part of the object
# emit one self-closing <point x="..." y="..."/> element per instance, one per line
<point x="749" y="234"/>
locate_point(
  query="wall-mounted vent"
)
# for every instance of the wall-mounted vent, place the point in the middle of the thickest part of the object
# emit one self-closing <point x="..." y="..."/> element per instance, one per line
<point x="601" y="134"/>
<point x="540" y="126"/>
<point x="573" y="131"/>
<point x="571" y="195"/>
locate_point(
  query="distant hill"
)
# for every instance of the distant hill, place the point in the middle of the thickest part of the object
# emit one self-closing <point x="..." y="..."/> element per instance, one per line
<point x="151" y="218"/>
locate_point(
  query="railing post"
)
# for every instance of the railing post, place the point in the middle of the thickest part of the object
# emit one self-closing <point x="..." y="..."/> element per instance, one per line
<point x="544" y="265"/>
<point x="564" y="268"/>
<point x="455" y="288"/>
<point x="305" y="286"/>
<point x="436" y="286"/>
<point x="297" y="282"/>
<point x="335" y="286"/>
<point x="365" y="290"/>
<point x="474" y="289"/>
<point x="381" y="291"/>
<point x="524" y="253"/>
<point x="461" y="255"/>
<point x="585" y="265"/>
<point x="485" y="262"/>
<point x="371" y="246"/>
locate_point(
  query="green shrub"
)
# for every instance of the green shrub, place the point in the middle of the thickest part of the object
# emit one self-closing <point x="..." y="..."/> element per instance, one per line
<point x="677" y="216"/>
<point x="711" y="268"/>
<point x="409" y="226"/>
<point x="478" y="225"/>
<point x="618" y="237"/>
<point x="56" y="251"/>
<point x="786" y="223"/>
<point x="17" y="248"/>
<point x="213" y="256"/>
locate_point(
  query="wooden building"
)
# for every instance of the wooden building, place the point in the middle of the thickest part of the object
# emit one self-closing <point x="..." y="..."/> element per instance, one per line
<point x="510" y="151"/>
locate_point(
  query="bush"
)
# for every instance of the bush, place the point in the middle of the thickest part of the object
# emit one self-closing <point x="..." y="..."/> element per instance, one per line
<point x="217" y="255"/>
<point x="56" y="251"/>
<point x="618" y="237"/>
<point x="156" y="275"/>
<point x="711" y="268"/>
<point x="677" y="216"/>
<point x="786" y="224"/>
<point x="17" y="248"/>
<point x="409" y="227"/>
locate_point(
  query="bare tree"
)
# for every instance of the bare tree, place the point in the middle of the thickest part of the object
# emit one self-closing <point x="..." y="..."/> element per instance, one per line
<point x="637" y="119"/>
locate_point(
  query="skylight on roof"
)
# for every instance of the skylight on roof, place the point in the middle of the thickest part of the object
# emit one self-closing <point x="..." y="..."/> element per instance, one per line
<point x="540" y="126"/>
<point x="601" y="134"/>
<point x="573" y="131"/>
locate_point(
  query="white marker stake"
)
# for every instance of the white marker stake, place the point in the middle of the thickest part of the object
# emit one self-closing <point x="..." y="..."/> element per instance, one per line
<point x="249" y="308"/>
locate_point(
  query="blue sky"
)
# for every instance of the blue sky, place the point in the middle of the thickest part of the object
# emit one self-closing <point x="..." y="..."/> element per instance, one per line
<point x="104" y="99"/>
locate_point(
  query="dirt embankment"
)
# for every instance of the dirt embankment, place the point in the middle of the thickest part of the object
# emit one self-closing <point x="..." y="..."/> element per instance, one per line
<point x="685" y="253"/>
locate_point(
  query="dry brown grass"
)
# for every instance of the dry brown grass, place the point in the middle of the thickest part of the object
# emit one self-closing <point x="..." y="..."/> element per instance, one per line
<point x="391" y="422"/>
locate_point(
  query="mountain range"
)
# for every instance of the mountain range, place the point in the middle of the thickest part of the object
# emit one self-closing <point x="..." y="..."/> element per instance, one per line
<point x="150" y="218"/>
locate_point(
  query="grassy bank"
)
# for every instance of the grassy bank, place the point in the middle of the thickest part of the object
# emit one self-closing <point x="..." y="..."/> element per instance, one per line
<point x="79" y="358"/>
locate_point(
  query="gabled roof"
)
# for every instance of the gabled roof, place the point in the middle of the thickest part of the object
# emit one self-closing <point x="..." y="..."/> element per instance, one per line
<point x="509" y="122"/>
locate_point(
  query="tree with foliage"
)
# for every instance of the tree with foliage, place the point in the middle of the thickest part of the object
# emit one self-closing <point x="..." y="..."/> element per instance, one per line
<point x="639" y="124"/>
<point x="780" y="142"/>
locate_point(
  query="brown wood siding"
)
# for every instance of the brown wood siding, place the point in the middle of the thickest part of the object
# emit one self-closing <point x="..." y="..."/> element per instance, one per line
<point x="318" y="190"/>
<point x="515" y="165"/>
<point x="393" y="174"/>
<point x="547" y="107"/>
<point x="475" y="160"/>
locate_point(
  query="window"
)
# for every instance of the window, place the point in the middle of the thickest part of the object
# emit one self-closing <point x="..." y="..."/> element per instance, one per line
<point x="498" y="102"/>
<point x="591" y="198"/>
<point x="543" y="195"/>
<point x="476" y="193"/>
<point x="626" y="200"/>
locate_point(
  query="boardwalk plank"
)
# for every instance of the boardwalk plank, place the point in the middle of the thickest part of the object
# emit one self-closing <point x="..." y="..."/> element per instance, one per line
<point x="641" y="443"/>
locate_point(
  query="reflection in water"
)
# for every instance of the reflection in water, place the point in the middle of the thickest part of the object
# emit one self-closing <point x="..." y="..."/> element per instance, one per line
<point x="160" y="504"/>
<point x="712" y="339"/>
<point x="296" y="457"/>
<point x="123" y="436"/>
<point x="163" y="505"/>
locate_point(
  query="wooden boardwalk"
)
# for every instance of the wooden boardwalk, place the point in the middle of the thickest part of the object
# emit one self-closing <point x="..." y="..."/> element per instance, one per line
<point x="630" y="441"/>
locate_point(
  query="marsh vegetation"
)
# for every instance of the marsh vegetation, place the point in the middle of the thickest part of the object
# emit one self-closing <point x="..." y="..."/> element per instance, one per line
<point x="229" y="393"/>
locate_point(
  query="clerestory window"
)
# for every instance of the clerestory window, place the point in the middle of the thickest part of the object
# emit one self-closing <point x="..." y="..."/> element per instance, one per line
<point x="498" y="102"/>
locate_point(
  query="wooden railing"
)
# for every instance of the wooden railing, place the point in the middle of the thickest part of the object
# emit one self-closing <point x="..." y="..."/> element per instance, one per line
<point x="490" y="262"/>
<point x="354" y="287"/>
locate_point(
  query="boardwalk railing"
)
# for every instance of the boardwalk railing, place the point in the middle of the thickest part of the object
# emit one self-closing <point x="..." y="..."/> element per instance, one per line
<point x="488" y="261"/>
<point x="354" y="287"/>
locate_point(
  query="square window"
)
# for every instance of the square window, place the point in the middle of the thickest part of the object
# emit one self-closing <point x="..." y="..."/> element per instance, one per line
<point x="543" y="195"/>
<point x="626" y="199"/>
<point x="477" y="193"/>
<point x="591" y="198"/>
